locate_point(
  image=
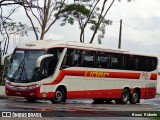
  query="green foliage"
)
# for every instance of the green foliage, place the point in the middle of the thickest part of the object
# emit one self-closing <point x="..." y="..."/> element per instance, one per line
<point x="84" y="14"/>
<point x="88" y="13"/>
<point x="102" y="29"/>
<point x="18" y="28"/>
<point x="1" y="75"/>
<point x="73" y="12"/>
<point x="3" y="72"/>
<point x="75" y="8"/>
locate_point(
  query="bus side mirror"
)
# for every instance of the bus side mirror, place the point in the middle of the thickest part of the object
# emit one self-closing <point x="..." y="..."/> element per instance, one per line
<point x="41" y="58"/>
<point x="4" y="57"/>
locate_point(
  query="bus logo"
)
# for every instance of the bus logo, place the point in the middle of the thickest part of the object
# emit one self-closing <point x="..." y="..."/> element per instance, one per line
<point x="95" y="74"/>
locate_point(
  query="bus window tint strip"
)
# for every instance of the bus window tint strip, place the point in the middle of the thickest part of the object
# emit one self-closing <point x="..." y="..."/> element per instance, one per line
<point x="107" y="60"/>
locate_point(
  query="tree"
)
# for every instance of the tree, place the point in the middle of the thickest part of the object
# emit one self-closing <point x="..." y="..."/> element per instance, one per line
<point x="3" y="22"/>
<point x="88" y="13"/>
<point x="7" y="25"/>
<point x="46" y="14"/>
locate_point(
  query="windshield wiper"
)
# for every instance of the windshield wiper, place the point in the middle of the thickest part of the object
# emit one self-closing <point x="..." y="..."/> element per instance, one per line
<point x="20" y="70"/>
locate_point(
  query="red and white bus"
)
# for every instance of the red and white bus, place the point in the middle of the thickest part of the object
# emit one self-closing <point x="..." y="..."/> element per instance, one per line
<point x="59" y="70"/>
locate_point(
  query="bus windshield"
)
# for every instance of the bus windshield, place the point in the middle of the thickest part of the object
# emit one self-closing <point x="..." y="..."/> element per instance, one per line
<point x="22" y="65"/>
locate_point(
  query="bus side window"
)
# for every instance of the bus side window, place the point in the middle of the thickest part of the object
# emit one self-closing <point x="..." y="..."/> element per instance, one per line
<point x="154" y="63"/>
<point x="103" y="60"/>
<point x="132" y="61"/>
<point x="114" y="62"/>
<point x="89" y="59"/>
<point x="151" y="63"/>
<point x="68" y="60"/>
<point x="146" y="63"/>
<point x="138" y="63"/>
<point x="51" y="63"/>
<point x="78" y="58"/>
<point x="117" y="61"/>
<point x="141" y="63"/>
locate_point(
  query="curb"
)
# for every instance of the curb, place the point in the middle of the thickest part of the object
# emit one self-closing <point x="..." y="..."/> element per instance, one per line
<point x="3" y="94"/>
<point x="4" y="97"/>
<point x="9" y="97"/>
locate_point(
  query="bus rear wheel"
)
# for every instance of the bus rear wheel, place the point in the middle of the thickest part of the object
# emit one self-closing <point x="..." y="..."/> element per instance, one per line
<point x="59" y="96"/>
<point x="135" y="97"/>
<point x="124" y="97"/>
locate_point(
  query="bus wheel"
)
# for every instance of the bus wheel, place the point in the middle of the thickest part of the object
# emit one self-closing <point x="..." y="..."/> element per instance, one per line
<point x="59" y="96"/>
<point x="135" y="97"/>
<point x="97" y="100"/>
<point x="124" y="97"/>
<point x="29" y="99"/>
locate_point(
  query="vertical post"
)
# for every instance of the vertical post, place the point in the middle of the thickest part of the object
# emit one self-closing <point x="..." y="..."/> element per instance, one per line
<point x="120" y="35"/>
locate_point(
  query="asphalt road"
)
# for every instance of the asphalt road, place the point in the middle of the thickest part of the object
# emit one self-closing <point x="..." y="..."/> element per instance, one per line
<point x="13" y="103"/>
<point x="81" y="108"/>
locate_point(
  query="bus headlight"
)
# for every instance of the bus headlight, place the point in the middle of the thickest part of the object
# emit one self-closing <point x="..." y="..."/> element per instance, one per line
<point x="33" y="87"/>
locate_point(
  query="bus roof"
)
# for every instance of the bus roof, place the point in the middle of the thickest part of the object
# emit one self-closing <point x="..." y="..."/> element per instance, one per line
<point x="46" y="44"/>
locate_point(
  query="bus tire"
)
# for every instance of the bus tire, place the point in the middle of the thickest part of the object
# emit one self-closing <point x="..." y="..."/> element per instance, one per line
<point x="124" y="97"/>
<point x="29" y="99"/>
<point x="59" y="96"/>
<point x="98" y="100"/>
<point x="135" y="97"/>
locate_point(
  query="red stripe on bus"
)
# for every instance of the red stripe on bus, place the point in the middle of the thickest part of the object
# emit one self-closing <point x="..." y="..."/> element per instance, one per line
<point x="124" y="75"/>
<point x="153" y="76"/>
<point x="145" y="93"/>
<point x="64" y="73"/>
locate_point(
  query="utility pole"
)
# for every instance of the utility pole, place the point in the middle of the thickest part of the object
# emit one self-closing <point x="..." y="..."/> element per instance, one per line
<point x="120" y="35"/>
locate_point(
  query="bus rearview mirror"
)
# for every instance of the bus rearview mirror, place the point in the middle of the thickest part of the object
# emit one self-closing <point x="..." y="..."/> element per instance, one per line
<point x="41" y="58"/>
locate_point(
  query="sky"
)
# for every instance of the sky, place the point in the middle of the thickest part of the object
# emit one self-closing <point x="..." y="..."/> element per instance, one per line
<point x="140" y="28"/>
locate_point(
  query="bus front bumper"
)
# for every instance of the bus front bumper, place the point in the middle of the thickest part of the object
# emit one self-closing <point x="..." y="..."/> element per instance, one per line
<point x="27" y="91"/>
<point x="22" y="91"/>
